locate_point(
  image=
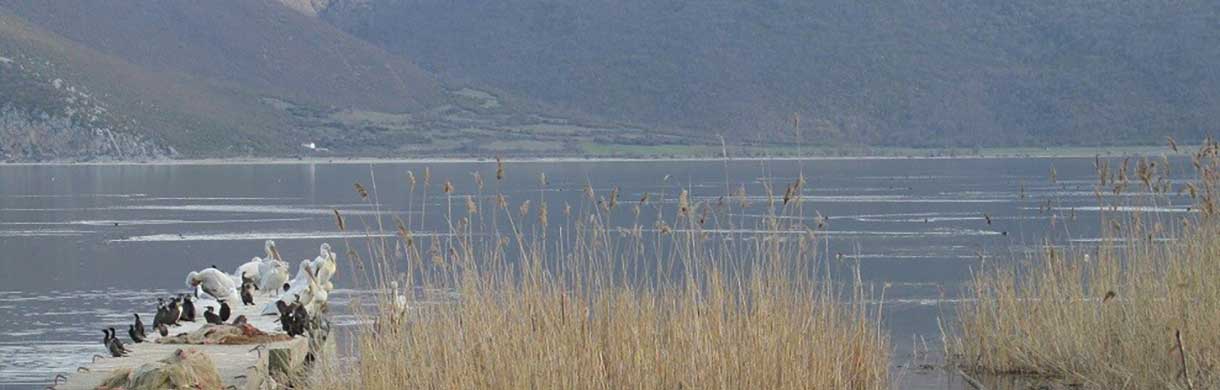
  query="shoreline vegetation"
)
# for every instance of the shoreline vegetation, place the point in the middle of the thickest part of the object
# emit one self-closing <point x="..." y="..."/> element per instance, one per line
<point x="1139" y="313"/>
<point x="679" y="153"/>
<point x="523" y="293"/>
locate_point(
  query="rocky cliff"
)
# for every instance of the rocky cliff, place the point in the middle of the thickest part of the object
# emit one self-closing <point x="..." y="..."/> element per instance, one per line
<point x="43" y="117"/>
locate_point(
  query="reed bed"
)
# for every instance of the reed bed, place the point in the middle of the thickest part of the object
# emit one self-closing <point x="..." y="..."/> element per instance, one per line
<point x="1139" y="312"/>
<point x="521" y="293"/>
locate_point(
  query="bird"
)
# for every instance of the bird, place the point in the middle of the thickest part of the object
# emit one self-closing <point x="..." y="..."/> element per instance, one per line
<point x="224" y="311"/>
<point x="211" y="317"/>
<point x="240" y="320"/>
<point x="188" y="309"/>
<point x="135" y="336"/>
<point x="173" y="312"/>
<point x="139" y="326"/>
<point x="272" y="270"/>
<point x="248" y="272"/>
<point x="300" y="319"/>
<point x="400" y="300"/>
<point x="114" y="348"/>
<point x="987" y="217"/>
<point x="114" y="344"/>
<point x="115" y="338"/>
<point x="272" y="274"/>
<point x="247" y="294"/>
<point x="324" y="267"/>
<point x="159" y="318"/>
<point x="285" y="316"/>
<point x="320" y="296"/>
<point x="161" y="329"/>
<point x="302" y="286"/>
<point x="213" y="282"/>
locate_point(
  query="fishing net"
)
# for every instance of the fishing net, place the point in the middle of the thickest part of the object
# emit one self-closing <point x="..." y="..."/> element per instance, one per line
<point x="184" y="369"/>
<point x="224" y="334"/>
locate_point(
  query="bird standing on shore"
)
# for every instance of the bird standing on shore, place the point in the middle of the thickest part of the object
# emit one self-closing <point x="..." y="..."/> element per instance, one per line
<point x="173" y="312"/>
<point x="211" y="317"/>
<point x="113" y="344"/>
<point x="213" y="282"/>
<point x="300" y="319"/>
<point x="247" y="294"/>
<point x="135" y="336"/>
<point x="188" y="309"/>
<point x="272" y="270"/>
<point x="324" y="267"/>
<point x="139" y="326"/>
<point x="224" y="311"/>
<point x="159" y="318"/>
<point x="248" y="272"/>
<point x="285" y="316"/>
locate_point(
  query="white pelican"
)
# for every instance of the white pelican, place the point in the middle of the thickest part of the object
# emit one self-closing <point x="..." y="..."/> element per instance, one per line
<point x="213" y="282"/>
<point x="303" y="285"/>
<point x="271" y="276"/>
<point x="324" y="267"/>
<point x="273" y="271"/>
<point x="319" y="296"/>
<point x="248" y="270"/>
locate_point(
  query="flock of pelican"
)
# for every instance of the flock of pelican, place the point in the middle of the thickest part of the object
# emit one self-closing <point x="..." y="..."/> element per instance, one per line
<point x="310" y="287"/>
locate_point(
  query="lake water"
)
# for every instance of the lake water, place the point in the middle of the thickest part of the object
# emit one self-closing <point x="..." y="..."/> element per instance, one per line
<point x="90" y="244"/>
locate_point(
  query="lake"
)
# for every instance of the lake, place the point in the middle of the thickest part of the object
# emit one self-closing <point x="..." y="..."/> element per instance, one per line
<point x="89" y="244"/>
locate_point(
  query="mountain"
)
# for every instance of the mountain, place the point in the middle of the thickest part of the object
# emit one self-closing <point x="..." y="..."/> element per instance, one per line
<point x="147" y="79"/>
<point x="198" y="75"/>
<point x="248" y="78"/>
<point x="913" y="73"/>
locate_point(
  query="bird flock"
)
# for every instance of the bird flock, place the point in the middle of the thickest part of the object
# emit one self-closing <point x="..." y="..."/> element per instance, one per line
<point x="298" y="302"/>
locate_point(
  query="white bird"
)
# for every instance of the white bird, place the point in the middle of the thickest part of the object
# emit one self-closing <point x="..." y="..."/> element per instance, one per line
<point x="248" y="270"/>
<point x="273" y="271"/>
<point x="272" y="275"/>
<point x="213" y="282"/>
<point x="324" y="267"/>
<point x="251" y="268"/>
<point x="302" y="286"/>
<point x="319" y="297"/>
<point x="400" y="300"/>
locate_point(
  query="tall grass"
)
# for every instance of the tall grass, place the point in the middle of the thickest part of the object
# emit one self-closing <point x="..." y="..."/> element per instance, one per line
<point x="521" y="293"/>
<point x="1137" y="313"/>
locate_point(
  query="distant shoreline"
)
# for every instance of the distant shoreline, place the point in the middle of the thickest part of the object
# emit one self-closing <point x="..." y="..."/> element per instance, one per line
<point x="886" y="154"/>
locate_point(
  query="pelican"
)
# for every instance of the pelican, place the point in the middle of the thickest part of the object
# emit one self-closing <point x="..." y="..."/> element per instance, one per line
<point x="213" y="282"/>
<point x="248" y="270"/>
<point x="302" y="285"/>
<point x="324" y="266"/>
<point x="320" y="296"/>
<point x="272" y="271"/>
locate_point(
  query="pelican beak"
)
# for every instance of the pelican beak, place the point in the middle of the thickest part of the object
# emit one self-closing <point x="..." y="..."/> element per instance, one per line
<point x="275" y="253"/>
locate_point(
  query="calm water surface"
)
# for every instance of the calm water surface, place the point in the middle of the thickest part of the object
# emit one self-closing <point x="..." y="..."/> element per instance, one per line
<point x="91" y="244"/>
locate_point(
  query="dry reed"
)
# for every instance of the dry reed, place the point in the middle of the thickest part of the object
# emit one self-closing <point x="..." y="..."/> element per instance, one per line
<point x="1138" y="312"/>
<point x="510" y="300"/>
